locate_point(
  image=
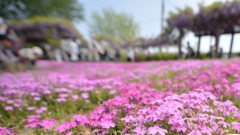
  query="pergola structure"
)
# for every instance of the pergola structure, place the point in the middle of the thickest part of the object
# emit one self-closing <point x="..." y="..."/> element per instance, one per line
<point x="43" y="31"/>
<point x="215" y="20"/>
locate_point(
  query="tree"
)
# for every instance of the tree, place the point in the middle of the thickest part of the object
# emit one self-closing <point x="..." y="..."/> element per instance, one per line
<point x="117" y="26"/>
<point x="23" y="9"/>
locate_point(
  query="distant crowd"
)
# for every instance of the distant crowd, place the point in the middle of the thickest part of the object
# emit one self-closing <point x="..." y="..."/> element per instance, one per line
<point x="13" y="54"/>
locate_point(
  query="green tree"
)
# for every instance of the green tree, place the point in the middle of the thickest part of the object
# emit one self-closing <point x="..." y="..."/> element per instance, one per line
<point x="117" y="26"/>
<point x="22" y="9"/>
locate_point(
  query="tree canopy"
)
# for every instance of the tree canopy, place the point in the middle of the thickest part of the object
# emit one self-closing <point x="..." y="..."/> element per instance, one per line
<point x="22" y="9"/>
<point x="117" y="26"/>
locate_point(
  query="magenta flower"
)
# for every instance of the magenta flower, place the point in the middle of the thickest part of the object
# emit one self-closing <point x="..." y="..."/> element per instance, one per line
<point x="4" y="131"/>
<point x="181" y="128"/>
<point x="8" y="108"/>
<point x="154" y="130"/>
<point x="32" y="125"/>
<point x="37" y="98"/>
<point x="65" y="126"/>
<point x="85" y="95"/>
<point x="75" y="97"/>
<point x="139" y="131"/>
<point x="31" y="108"/>
<point x="61" y="100"/>
<point x="69" y="133"/>
<point x="44" y="108"/>
<point x="63" y="95"/>
<point x="107" y="124"/>
<point x="48" y="123"/>
<point x="81" y="119"/>
<point x="224" y="124"/>
<point x="39" y="111"/>
<point x="34" y="116"/>
<point x="236" y="126"/>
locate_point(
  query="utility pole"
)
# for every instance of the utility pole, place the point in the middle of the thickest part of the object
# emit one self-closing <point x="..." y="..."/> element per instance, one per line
<point x="162" y="17"/>
<point x="161" y="26"/>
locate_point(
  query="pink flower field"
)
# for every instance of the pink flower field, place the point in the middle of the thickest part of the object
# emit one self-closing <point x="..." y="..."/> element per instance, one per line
<point x="150" y="98"/>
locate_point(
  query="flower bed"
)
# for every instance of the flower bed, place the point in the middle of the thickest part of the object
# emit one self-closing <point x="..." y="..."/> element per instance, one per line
<point x="171" y="97"/>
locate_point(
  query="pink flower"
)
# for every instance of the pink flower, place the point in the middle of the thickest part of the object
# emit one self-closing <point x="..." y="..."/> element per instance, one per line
<point x="39" y="111"/>
<point x="37" y="98"/>
<point x="128" y="119"/>
<point x="107" y="124"/>
<point x="85" y="95"/>
<point x="48" y="123"/>
<point x="69" y="133"/>
<point x="181" y="128"/>
<point x="195" y="132"/>
<point x="34" y="116"/>
<point x="61" y="100"/>
<point x="65" y="126"/>
<point x="236" y="125"/>
<point x="31" y="108"/>
<point x="139" y="131"/>
<point x="75" y="97"/>
<point x="63" y="95"/>
<point x="154" y="130"/>
<point x="224" y="124"/>
<point x="4" y="131"/>
<point x="32" y="125"/>
<point x="237" y="115"/>
<point x="8" y="108"/>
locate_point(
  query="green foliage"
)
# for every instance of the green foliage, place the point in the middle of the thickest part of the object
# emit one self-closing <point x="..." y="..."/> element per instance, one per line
<point x="30" y="45"/>
<point x="99" y="37"/>
<point x="142" y="56"/>
<point x="117" y="26"/>
<point x="156" y="56"/>
<point x="123" y="57"/>
<point x="22" y="9"/>
<point x="169" y="56"/>
<point x="180" y="11"/>
<point x="204" y="56"/>
<point x="213" y="7"/>
<point x="54" y="42"/>
<point x="238" y="54"/>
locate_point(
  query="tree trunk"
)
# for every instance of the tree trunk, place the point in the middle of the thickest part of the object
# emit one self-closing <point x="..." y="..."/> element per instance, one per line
<point x="231" y="45"/>
<point x="217" y="37"/>
<point x="180" y="45"/>
<point x="198" y="49"/>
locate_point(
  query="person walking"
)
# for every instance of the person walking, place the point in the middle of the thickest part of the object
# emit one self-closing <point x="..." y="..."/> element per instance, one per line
<point x="220" y="53"/>
<point x="190" y="53"/>
<point x="10" y="60"/>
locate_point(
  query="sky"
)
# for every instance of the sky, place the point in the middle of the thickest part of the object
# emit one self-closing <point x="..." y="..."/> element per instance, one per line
<point x="147" y="13"/>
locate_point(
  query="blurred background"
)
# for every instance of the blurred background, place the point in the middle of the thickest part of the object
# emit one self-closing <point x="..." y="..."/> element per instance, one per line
<point x="126" y="31"/>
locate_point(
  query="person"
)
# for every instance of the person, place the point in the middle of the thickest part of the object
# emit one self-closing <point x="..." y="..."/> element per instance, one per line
<point x="9" y="58"/>
<point x="84" y="53"/>
<point x="3" y="29"/>
<point x="220" y="53"/>
<point x="129" y="56"/>
<point x="32" y="54"/>
<point x="190" y="53"/>
<point x="117" y="55"/>
<point x="73" y="50"/>
<point x="149" y="56"/>
<point x="101" y="53"/>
